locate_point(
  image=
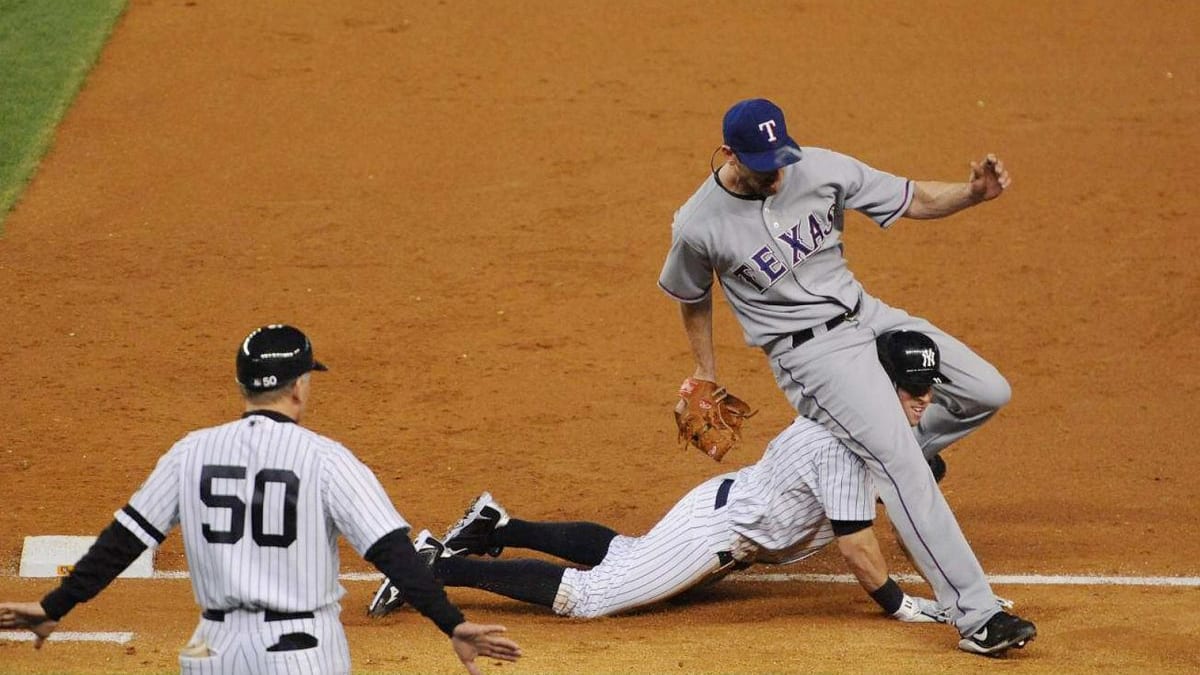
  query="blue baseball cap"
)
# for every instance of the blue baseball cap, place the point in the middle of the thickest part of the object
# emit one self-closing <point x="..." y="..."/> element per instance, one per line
<point x="757" y="133"/>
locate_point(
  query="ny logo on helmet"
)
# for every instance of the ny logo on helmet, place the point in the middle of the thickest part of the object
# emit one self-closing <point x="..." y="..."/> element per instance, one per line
<point x="928" y="358"/>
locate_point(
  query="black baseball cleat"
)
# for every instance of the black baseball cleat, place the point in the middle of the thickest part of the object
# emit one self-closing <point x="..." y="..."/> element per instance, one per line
<point x="1001" y="632"/>
<point x="938" y="466"/>
<point x="389" y="597"/>
<point x="429" y="549"/>
<point x="472" y="534"/>
<point x="387" y="600"/>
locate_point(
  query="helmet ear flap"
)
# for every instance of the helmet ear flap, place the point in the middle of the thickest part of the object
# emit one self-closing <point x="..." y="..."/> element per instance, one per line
<point x="883" y="347"/>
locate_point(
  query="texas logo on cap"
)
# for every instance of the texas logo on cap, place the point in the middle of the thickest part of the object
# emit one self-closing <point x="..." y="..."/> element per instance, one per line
<point x="757" y="133"/>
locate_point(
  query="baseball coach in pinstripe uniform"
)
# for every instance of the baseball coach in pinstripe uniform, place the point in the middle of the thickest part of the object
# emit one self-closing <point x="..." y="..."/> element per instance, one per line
<point x="260" y="502"/>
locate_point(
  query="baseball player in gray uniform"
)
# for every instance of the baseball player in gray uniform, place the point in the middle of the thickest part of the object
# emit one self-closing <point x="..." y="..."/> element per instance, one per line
<point x="807" y="491"/>
<point x="768" y="223"/>
<point x="261" y="502"/>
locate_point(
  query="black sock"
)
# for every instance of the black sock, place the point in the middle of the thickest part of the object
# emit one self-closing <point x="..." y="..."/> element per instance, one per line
<point x="580" y="542"/>
<point x="889" y="596"/>
<point x="526" y="579"/>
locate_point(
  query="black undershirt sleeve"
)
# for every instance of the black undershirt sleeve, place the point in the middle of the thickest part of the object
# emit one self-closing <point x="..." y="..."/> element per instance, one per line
<point x="842" y="528"/>
<point x="115" y="549"/>
<point x="395" y="556"/>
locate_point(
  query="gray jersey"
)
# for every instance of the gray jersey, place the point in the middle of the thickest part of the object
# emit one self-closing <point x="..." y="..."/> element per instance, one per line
<point x="261" y="503"/>
<point x="780" y="259"/>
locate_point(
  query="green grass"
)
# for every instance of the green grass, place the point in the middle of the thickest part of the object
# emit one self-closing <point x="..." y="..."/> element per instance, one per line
<point x="47" y="48"/>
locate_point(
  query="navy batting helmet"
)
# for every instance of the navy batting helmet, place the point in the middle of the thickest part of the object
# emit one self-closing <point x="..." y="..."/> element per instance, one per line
<point x="274" y="355"/>
<point x="910" y="358"/>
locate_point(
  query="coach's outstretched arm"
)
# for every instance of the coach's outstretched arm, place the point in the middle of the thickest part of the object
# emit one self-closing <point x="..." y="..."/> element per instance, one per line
<point x="857" y="543"/>
<point x="28" y="615"/>
<point x="115" y="549"/>
<point x="395" y="556"/>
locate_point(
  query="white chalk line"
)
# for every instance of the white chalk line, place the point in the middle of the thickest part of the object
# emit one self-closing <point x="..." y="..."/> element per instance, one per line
<point x="68" y="636"/>
<point x="995" y="579"/>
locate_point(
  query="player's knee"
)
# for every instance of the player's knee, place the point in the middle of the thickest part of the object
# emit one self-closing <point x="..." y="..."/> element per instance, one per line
<point x="573" y="600"/>
<point x="995" y="393"/>
<point x="589" y="612"/>
<point x="584" y="609"/>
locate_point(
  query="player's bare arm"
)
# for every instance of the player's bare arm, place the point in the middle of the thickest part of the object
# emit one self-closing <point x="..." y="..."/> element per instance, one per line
<point x="865" y="559"/>
<point x="697" y="323"/>
<point x="934" y="199"/>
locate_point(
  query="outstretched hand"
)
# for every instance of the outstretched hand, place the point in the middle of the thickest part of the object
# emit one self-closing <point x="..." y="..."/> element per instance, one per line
<point x="27" y="615"/>
<point x="472" y="640"/>
<point x="988" y="179"/>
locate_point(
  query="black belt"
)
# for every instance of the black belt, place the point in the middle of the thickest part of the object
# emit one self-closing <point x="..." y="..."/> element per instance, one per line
<point x="269" y="615"/>
<point x="722" y="493"/>
<point x="808" y="333"/>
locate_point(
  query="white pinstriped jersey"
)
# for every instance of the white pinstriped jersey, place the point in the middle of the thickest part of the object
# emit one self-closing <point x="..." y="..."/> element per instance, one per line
<point x="784" y="502"/>
<point x="260" y="504"/>
<point x="775" y="511"/>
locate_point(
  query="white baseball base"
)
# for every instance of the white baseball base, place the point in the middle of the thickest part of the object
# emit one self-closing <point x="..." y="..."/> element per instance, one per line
<point x="54" y="555"/>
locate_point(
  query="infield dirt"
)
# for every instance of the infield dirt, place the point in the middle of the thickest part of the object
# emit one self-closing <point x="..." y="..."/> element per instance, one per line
<point x="466" y="206"/>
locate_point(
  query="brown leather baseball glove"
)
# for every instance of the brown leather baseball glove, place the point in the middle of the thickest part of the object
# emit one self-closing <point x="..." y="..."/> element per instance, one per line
<point x="710" y="418"/>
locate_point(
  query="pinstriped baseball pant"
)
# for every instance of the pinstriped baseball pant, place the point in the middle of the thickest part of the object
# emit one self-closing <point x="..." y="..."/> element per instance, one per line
<point x="687" y="548"/>
<point x="239" y="644"/>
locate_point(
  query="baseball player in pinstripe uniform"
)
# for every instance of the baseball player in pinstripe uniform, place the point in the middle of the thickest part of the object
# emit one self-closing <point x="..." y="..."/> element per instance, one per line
<point x="768" y="224"/>
<point x="807" y="491"/>
<point x="261" y="502"/>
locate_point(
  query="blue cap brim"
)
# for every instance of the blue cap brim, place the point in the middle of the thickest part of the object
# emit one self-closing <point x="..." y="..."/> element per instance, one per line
<point x="788" y="153"/>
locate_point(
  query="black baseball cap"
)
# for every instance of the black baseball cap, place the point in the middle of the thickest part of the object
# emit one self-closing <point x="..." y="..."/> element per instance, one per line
<point x="274" y="355"/>
<point x="757" y="133"/>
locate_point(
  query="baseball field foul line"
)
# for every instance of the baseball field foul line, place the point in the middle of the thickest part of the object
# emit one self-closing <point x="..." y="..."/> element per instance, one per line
<point x="69" y="636"/>
<point x="998" y="579"/>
